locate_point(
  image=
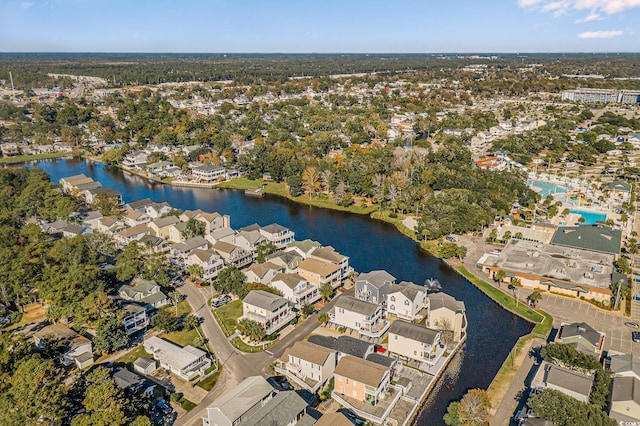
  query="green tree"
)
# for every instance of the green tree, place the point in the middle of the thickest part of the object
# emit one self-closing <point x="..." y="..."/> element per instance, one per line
<point x="175" y="297"/>
<point x="230" y="280"/>
<point x="294" y="183"/>
<point x="129" y="262"/>
<point x="563" y="410"/>
<point x="474" y="408"/>
<point x="103" y="401"/>
<point x="251" y="329"/>
<point x="193" y="228"/>
<point x="190" y="322"/>
<point x="110" y="334"/>
<point x="452" y="417"/>
<point x="194" y="271"/>
<point x="165" y="321"/>
<point x="307" y="310"/>
<point x="107" y="204"/>
<point x="326" y="291"/>
<point x="324" y="318"/>
<point x="535" y="297"/>
<point x="500" y="275"/>
<point x="264" y="249"/>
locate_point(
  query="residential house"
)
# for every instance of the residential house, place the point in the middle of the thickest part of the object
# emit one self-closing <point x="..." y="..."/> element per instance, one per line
<point x="91" y="219"/>
<point x="69" y="183"/>
<point x="363" y="317"/>
<point x="130" y="382"/>
<point x="213" y="221"/>
<point x="625" y="365"/>
<point x="357" y="381"/>
<point x="625" y="400"/>
<point x="78" y="350"/>
<point x="308" y="365"/>
<point x="232" y="254"/>
<point x="296" y="289"/>
<point x="415" y="342"/>
<point x="135" y="160"/>
<point x="565" y="380"/>
<point x="581" y="336"/>
<point x="288" y="260"/>
<point x="278" y="234"/>
<point x="152" y="244"/>
<point x="345" y="345"/>
<point x="446" y="313"/>
<point x="160" y="227"/>
<point x="209" y="260"/>
<point x="374" y="286"/>
<point x="223" y="234"/>
<point x="135" y="233"/>
<point x="73" y="230"/>
<point x="145" y="292"/>
<point x="285" y="408"/>
<point x="156" y="210"/>
<point x="208" y="173"/>
<point x="140" y="205"/>
<point x="178" y="232"/>
<point x="407" y="300"/>
<point x="109" y="225"/>
<point x="261" y="272"/>
<point x="134" y="217"/>
<point x="303" y="248"/>
<point x="329" y="254"/>
<point x="320" y="272"/>
<point x="180" y="251"/>
<point x="249" y="240"/>
<point x="135" y="319"/>
<point x="240" y="403"/>
<point x="187" y="363"/>
<point x="334" y="419"/>
<point x="92" y="195"/>
<point x="271" y="311"/>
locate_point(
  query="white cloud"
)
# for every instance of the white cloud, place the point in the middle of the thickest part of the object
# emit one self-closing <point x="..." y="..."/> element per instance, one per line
<point x="601" y="34"/>
<point x="597" y="9"/>
<point x="26" y="4"/>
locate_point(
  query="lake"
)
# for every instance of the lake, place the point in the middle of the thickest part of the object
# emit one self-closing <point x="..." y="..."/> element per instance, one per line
<point x="370" y="244"/>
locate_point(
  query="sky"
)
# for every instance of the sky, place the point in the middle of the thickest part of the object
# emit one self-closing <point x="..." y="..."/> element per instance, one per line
<point x="320" y="26"/>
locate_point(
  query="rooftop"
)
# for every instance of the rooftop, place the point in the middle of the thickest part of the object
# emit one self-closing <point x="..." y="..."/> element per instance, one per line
<point x="625" y="363"/>
<point x="625" y="389"/>
<point x="344" y="344"/>
<point x="352" y="304"/>
<point x="238" y="400"/>
<point x="443" y="300"/>
<point x="568" y="379"/>
<point x="376" y="278"/>
<point x="319" y="267"/>
<point x="361" y="370"/>
<point x="408" y="289"/>
<point x="172" y="354"/>
<point x="290" y="280"/>
<point x="414" y="332"/>
<point x="265" y="300"/>
<point x="280" y="410"/>
<point x="598" y="238"/>
<point x="581" y="329"/>
<point x="308" y="351"/>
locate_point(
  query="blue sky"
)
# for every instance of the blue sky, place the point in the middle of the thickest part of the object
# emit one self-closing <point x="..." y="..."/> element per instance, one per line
<point x="326" y="26"/>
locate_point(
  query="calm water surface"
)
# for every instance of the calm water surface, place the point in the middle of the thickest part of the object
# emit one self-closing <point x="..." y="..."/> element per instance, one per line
<point x="370" y="244"/>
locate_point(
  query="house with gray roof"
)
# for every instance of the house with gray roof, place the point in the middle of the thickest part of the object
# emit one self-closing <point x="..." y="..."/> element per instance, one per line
<point x="271" y="311"/>
<point x="581" y="336"/>
<point x="567" y="381"/>
<point x="145" y="292"/>
<point x="286" y="408"/>
<point x="619" y="190"/>
<point x="279" y="235"/>
<point x="407" y="301"/>
<point x="160" y="227"/>
<point x="416" y="342"/>
<point x="308" y="365"/>
<point x="344" y="345"/>
<point x="232" y="254"/>
<point x="249" y="240"/>
<point x="239" y="403"/>
<point x="599" y="238"/>
<point x="180" y="251"/>
<point x="303" y="248"/>
<point x="625" y="365"/>
<point x="186" y="362"/>
<point x="625" y="400"/>
<point x="289" y="260"/>
<point x="447" y="313"/>
<point x="365" y="318"/>
<point x="374" y="286"/>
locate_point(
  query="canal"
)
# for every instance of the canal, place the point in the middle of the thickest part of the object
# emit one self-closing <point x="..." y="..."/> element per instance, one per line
<point x="369" y="243"/>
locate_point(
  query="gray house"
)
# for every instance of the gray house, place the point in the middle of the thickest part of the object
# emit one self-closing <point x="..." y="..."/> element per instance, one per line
<point x="374" y="286"/>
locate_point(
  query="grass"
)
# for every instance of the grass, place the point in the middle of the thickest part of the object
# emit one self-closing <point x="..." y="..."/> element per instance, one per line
<point x="506" y="301"/>
<point x="33" y="157"/>
<point x="227" y="316"/>
<point x="208" y="383"/>
<point x="183" y="308"/>
<point x="182" y="337"/>
<point x="507" y="371"/>
<point x="240" y="345"/>
<point x="280" y="189"/>
<point x="128" y="359"/>
<point x="187" y="405"/>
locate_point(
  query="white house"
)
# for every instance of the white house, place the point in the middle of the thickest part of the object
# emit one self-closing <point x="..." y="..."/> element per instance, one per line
<point x="271" y="311"/>
<point x="262" y="272"/>
<point x="232" y="254"/>
<point x="406" y="300"/>
<point x="135" y="318"/>
<point x="296" y="289"/>
<point x="308" y="365"/>
<point x="278" y="234"/>
<point x="186" y="363"/>
<point x="210" y="262"/>
<point x="364" y="317"/>
<point x="415" y="342"/>
<point x="134" y="217"/>
<point x="134" y="233"/>
<point x="208" y="173"/>
<point x="239" y="403"/>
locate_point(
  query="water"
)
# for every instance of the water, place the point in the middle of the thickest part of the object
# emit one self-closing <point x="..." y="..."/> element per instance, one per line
<point x="590" y="218"/>
<point x="546" y="188"/>
<point x="370" y="244"/>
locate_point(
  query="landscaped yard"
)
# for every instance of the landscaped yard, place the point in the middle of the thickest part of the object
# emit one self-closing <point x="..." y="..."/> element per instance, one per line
<point x="128" y="359"/>
<point x="227" y="316"/>
<point x="208" y="383"/>
<point x="183" y="308"/>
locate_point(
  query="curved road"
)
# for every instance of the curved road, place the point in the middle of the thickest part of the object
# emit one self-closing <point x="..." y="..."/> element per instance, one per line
<point x="236" y="365"/>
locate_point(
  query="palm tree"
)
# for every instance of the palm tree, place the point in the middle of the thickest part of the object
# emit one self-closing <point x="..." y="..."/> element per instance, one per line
<point x="324" y="318"/>
<point x="500" y="275"/>
<point x="311" y="180"/>
<point x="175" y="299"/>
<point x="195" y="272"/>
<point x="326" y="291"/>
<point x="535" y="297"/>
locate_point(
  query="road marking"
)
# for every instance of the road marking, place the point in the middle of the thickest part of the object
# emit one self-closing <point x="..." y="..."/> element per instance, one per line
<point x="269" y="352"/>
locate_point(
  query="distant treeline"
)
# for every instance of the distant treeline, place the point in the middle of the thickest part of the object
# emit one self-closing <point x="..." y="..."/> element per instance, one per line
<point x="30" y="69"/>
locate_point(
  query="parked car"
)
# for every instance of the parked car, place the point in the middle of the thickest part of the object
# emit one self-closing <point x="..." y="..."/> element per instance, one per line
<point x="379" y="349"/>
<point x="352" y="416"/>
<point x="452" y="239"/>
<point x="164" y="407"/>
<point x="280" y="383"/>
<point x="495" y="251"/>
<point x="635" y="336"/>
<point x="632" y="324"/>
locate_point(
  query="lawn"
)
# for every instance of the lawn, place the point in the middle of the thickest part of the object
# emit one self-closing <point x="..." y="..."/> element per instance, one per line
<point x="208" y="383"/>
<point x="227" y="316"/>
<point x="182" y="337"/>
<point x="33" y="157"/>
<point x="242" y="346"/>
<point x="128" y="359"/>
<point x="183" y="308"/>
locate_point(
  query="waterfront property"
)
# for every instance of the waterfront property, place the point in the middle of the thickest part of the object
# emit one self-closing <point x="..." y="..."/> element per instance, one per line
<point x="296" y="289"/>
<point x="407" y="301"/>
<point x="320" y="272"/>
<point x="308" y="365"/>
<point x="363" y="317"/>
<point x="187" y="363"/>
<point x="415" y="342"/>
<point x="210" y="262"/>
<point x="271" y="311"/>
<point x="374" y="286"/>
<point x="447" y="313"/>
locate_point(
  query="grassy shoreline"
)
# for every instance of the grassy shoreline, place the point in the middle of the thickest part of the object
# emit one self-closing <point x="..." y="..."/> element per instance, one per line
<point x="34" y="157"/>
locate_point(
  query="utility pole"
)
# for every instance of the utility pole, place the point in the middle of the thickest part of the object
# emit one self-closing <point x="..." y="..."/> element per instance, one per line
<point x="11" y="78"/>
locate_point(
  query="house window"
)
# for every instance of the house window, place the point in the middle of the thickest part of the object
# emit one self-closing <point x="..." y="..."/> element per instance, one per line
<point x="406" y="302"/>
<point x="342" y="390"/>
<point x="355" y="393"/>
<point x="347" y="381"/>
<point x="392" y="307"/>
<point x="393" y="298"/>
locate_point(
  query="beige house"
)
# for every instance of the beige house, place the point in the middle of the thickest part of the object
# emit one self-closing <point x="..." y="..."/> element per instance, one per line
<point x="232" y="254"/>
<point x="363" y="317"/>
<point x="134" y="217"/>
<point x="210" y="262"/>
<point x="128" y="235"/>
<point x="160" y="227"/>
<point x="415" y="342"/>
<point x="625" y="400"/>
<point x="271" y="311"/>
<point x="79" y="350"/>
<point x="446" y="313"/>
<point x="320" y="272"/>
<point x="308" y="365"/>
<point x="329" y="254"/>
<point x="262" y="272"/>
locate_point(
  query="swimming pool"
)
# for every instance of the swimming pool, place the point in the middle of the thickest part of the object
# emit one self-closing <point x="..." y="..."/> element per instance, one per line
<point x="590" y="218"/>
<point x="546" y="188"/>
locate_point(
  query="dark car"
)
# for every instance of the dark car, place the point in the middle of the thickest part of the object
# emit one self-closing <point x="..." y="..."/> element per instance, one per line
<point x="632" y="324"/>
<point x="164" y="407"/>
<point x="280" y="383"/>
<point x="635" y="336"/>
<point x="511" y="287"/>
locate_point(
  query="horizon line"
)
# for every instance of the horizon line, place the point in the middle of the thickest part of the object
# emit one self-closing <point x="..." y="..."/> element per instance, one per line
<point x="532" y="52"/>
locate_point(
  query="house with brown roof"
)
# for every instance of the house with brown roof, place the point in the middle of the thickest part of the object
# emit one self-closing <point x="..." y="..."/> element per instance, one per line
<point x="78" y="348"/>
<point x="319" y="272"/>
<point x="447" y="313"/>
<point x="296" y="289"/>
<point x="135" y="233"/>
<point x="160" y="227"/>
<point x="134" y="217"/>
<point x="262" y="272"/>
<point x="329" y="254"/>
<point x="308" y="365"/>
<point x="232" y="254"/>
<point x="210" y="262"/>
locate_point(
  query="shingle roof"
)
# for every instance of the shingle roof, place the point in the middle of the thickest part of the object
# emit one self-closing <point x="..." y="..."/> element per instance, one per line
<point x="625" y="389"/>
<point x="361" y="370"/>
<point x="581" y="329"/>
<point x="414" y="332"/>
<point x="352" y="304"/>
<point x="261" y="269"/>
<point x="166" y="221"/>
<point x="383" y="360"/>
<point x="60" y="331"/>
<point x="598" y="238"/>
<point x="274" y="228"/>
<point x="568" y="379"/>
<point x="280" y="410"/>
<point x="319" y="267"/>
<point x="308" y="351"/>
<point x="376" y="278"/>
<point x="334" y="419"/>
<point x="328" y="253"/>
<point x="443" y="300"/>
<point x="304" y="245"/>
<point x="625" y="363"/>
<point x="409" y="289"/>
<point x="238" y="400"/>
<point x="619" y="186"/>
<point x="264" y="299"/>
<point x="344" y="344"/>
<point x="290" y="280"/>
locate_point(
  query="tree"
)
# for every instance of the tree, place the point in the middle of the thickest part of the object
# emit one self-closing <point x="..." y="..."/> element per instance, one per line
<point x="110" y="334"/>
<point x="564" y="410"/>
<point x="193" y="228"/>
<point x="474" y="408"/>
<point x="307" y="310"/>
<point x="175" y="298"/>
<point x="535" y="297"/>
<point x="446" y="330"/>
<point x="103" y="401"/>
<point x="569" y="356"/>
<point x="190" y="322"/>
<point x="500" y="275"/>
<point x="452" y="417"/>
<point x="622" y="265"/>
<point x="165" y="321"/>
<point x="324" y="318"/>
<point x="129" y="262"/>
<point x="194" y="271"/>
<point x="294" y="183"/>
<point x="107" y="204"/>
<point x="230" y="280"/>
<point x="326" y="291"/>
<point x="264" y="249"/>
<point x="311" y="180"/>
<point x="251" y="329"/>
